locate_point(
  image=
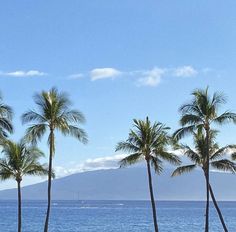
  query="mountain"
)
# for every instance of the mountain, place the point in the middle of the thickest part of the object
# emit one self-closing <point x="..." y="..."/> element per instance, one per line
<point x="129" y="184"/>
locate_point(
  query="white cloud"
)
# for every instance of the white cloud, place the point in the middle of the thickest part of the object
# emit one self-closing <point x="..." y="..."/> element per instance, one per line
<point x="20" y="73"/>
<point x="76" y="76"/>
<point x="107" y="162"/>
<point x="151" y="77"/>
<point x="104" y="73"/>
<point x="185" y="71"/>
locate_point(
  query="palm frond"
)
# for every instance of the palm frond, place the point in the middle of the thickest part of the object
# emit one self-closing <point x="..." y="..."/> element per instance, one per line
<point x="75" y="132"/>
<point x="218" y="98"/>
<point x="182" y="132"/>
<point x="32" y="116"/>
<point x="225" y="118"/>
<point x="233" y="156"/>
<point x="35" y="133"/>
<point x="126" y="147"/>
<point x="6" y="125"/>
<point x="73" y="116"/>
<point x="191" y="108"/>
<point x="191" y="154"/>
<point x="190" y="119"/>
<point x="6" y="111"/>
<point x="36" y="169"/>
<point x="224" y="165"/>
<point x="131" y="159"/>
<point x="157" y="164"/>
<point x="183" y="169"/>
<point x="228" y="149"/>
<point x="6" y="114"/>
<point x="5" y="175"/>
<point x="168" y="156"/>
<point x="4" y="165"/>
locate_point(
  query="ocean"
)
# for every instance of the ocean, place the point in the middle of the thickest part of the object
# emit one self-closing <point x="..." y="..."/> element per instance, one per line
<point x="108" y="216"/>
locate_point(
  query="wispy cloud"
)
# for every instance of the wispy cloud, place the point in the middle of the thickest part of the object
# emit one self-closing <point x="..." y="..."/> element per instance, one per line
<point x="144" y="77"/>
<point x="185" y="71"/>
<point x="151" y="77"/>
<point x="76" y="76"/>
<point x="104" y="73"/>
<point x="21" y="73"/>
<point x="107" y="162"/>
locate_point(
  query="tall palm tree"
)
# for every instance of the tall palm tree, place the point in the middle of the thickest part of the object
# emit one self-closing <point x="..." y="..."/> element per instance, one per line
<point x="216" y="161"/>
<point x="5" y="119"/>
<point x="199" y="114"/>
<point x="20" y="160"/>
<point x="53" y="114"/>
<point x="148" y="142"/>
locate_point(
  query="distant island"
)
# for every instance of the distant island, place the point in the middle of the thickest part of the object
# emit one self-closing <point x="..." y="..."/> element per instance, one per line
<point x="128" y="184"/>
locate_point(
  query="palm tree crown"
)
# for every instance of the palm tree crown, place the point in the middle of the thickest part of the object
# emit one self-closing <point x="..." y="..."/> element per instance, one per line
<point x="198" y="155"/>
<point x="202" y="111"/>
<point x="148" y="142"/>
<point x="20" y="160"/>
<point x="53" y="113"/>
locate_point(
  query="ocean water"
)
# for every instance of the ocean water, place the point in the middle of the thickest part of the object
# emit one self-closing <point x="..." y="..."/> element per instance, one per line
<point x="108" y="216"/>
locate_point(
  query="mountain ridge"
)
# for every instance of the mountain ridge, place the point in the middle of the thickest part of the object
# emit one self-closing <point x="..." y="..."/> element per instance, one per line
<point x="128" y="184"/>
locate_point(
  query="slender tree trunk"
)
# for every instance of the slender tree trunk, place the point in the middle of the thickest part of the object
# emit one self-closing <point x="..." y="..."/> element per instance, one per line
<point x="152" y="196"/>
<point x="207" y="181"/>
<point x="49" y="180"/>
<point x="207" y="205"/>
<point x="218" y="209"/>
<point x="19" y="205"/>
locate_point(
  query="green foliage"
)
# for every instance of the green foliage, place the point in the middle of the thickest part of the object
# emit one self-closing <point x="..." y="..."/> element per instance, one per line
<point x="20" y="160"/>
<point x="199" y="158"/>
<point x="53" y="113"/>
<point x="148" y="141"/>
<point x="6" y="114"/>
<point x="197" y="116"/>
<point x="183" y="169"/>
<point x="201" y="112"/>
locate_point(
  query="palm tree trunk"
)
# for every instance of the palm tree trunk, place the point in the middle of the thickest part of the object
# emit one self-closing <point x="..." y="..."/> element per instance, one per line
<point x="207" y="204"/>
<point x="152" y="197"/>
<point x="49" y="181"/>
<point x="207" y="181"/>
<point x="218" y="209"/>
<point x="19" y="205"/>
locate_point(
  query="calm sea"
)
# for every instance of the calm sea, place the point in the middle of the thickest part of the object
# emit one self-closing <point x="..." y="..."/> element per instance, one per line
<point x="101" y="216"/>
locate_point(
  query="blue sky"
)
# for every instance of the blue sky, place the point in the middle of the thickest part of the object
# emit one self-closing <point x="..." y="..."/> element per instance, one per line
<point x="118" y="60"/>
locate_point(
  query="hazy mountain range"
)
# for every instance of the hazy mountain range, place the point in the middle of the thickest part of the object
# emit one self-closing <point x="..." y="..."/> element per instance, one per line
<point x="129" y="184"/>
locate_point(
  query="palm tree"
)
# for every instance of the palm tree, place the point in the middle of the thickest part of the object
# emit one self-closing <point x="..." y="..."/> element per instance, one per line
<point x="216" y="161"/>
<point x="148" y="142"/>
<point x="5" y="119"/>
<point x="53" y="113"/>
<point x="200" y="114"/>
<point x="20" y="160"/>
